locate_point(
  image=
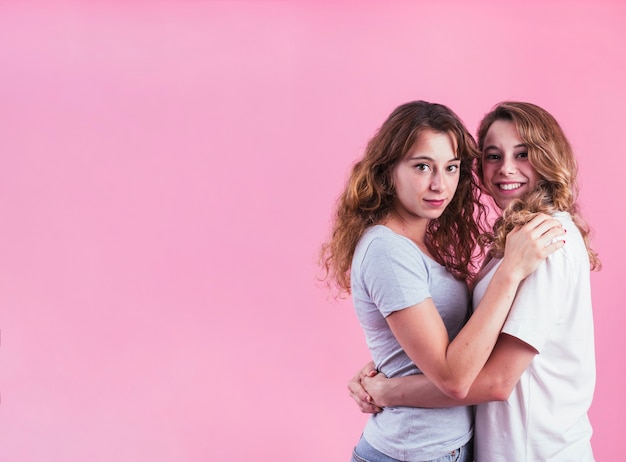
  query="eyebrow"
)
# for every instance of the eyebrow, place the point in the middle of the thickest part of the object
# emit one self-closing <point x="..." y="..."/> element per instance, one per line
<point x="455" y="159"/>
<point x="521" y="145"/>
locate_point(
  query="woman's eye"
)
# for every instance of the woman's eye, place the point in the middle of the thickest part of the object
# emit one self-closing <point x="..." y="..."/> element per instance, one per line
<point x="453" y="168"/>
<point x="422" y="167"/>
<point x="523" y="155"/>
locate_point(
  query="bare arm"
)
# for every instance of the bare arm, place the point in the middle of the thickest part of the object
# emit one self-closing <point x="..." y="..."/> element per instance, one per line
<point x="509" y="360"/>
<point x="454" y="366"/>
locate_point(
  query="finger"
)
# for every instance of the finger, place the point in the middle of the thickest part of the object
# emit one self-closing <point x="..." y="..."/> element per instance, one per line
<point x="555" y="243"/>
<point x="354" y="388"/>
<point x="540" y="220"/>
<point x="363" y="404"/>
<point x="368" y="408"/>
<point x="549" y="226"/>
<point x="370" y="372"/>
<point x="542" y="223"/>
<point x="549" y="244"/>
<point x="537" y="221"/>
<point x="358" y="393"/>
<point x="539" y="226"/>
<point x="553" y="235"/>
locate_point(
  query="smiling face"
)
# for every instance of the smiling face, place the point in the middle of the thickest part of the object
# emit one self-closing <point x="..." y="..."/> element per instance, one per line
<point x="506" y="171"/>
<point x="426" y="178"/>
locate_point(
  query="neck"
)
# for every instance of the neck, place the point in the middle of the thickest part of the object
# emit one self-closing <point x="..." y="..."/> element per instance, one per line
<point x="414" y="229"/>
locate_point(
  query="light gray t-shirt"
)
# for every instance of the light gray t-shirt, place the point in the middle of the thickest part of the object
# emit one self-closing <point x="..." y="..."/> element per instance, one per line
<point x="390" y="273"/>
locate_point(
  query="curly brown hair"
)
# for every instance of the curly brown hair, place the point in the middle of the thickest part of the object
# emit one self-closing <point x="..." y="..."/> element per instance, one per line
<point x="551" y="155"/>
<point x="369" y="195"/>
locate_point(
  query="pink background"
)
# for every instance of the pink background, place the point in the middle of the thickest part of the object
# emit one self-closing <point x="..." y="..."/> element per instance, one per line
<point x="168" y="173"/>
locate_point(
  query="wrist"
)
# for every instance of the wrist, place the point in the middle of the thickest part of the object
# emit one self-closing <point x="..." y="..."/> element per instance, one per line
<point x="508" y="274"/>
<point x="386" y="391"/>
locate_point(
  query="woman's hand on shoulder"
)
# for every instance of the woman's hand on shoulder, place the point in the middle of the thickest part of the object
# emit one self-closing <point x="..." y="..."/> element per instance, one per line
<point x="529" y="245"/>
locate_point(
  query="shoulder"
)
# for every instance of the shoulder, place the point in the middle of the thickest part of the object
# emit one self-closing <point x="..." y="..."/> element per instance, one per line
<point x="566" y="220"/>
<point x="380" y="239"/>
<point x="568" y="224"/>
<point x="574" y="252"/>
<point x="381" y="249"/>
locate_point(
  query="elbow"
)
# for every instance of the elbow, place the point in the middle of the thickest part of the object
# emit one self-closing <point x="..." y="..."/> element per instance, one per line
<point x="497" y="390"/>
<point x="501" y="394"/>
<point x="500" y="391"/>
<point x="456" y="390"/>
<point x="458" y="394"/>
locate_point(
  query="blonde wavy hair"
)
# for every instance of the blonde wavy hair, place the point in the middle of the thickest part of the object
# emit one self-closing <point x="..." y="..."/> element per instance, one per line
<point x="369" y="195"/>
<point x="551" y="155"/>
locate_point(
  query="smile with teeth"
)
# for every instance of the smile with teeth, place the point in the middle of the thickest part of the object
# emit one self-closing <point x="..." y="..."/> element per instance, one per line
<point x="509" y="186"/>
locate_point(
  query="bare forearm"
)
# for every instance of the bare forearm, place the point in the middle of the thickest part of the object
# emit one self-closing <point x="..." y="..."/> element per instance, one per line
<point x="419" y="391"/>
<point x="413" y="391"/>
<point x="495" y="382"/>
<point x="473" y="345"/>
<point x="471" y="348"/>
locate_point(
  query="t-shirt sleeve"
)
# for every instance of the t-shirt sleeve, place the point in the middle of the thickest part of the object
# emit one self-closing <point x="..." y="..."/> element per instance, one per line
<point x="538" y="304"/>
<point x="394" y="274"/>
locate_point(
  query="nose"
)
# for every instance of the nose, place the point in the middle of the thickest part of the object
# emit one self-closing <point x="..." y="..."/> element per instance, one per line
<point x="508" y="167"/>
<point x="436" y="182"/>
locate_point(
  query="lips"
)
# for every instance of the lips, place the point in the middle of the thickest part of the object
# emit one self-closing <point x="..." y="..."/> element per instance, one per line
<point x="435" y="203"/>
<point x="509" y="186"/>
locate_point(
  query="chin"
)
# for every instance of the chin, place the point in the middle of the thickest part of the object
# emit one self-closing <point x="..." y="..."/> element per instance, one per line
<point x="505" y="203"/>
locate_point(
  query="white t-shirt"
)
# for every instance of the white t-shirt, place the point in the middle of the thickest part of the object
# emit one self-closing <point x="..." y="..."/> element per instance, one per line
<point x="545" y="418"/>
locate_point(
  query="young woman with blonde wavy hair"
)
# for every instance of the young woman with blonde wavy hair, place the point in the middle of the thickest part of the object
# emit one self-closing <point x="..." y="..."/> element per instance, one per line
<point x="403" y="244"/>
<point x="534" y="392"/>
